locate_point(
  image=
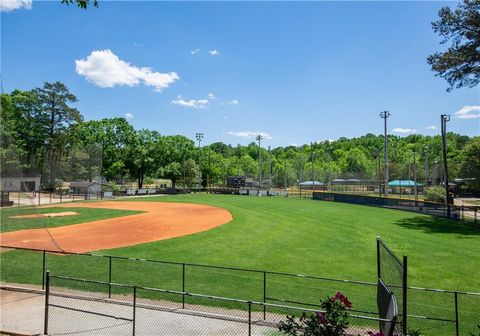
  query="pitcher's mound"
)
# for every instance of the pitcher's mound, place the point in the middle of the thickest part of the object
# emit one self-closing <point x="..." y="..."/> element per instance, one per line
<point x="160" y="220"/>
<point x="51" y="214"/>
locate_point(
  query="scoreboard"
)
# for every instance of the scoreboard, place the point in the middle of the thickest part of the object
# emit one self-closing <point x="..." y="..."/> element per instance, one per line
<point x="235" y="181"/>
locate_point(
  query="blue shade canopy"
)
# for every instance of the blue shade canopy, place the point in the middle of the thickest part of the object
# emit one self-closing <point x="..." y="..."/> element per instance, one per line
<point x="403" y="183"/>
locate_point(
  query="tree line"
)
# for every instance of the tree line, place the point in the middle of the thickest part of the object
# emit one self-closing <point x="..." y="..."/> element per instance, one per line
<point x="42" y="133"/>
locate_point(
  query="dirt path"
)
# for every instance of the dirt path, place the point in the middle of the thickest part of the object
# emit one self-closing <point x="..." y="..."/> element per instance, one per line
<point x="160" y="221"/>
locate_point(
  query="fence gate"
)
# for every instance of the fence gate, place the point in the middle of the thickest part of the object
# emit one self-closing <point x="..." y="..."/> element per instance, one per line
<point x="82" y="307"/>
<point x="391" y="290"/>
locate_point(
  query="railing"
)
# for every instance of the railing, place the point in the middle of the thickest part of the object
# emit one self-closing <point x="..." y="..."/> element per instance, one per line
<point x="434" y="312"/>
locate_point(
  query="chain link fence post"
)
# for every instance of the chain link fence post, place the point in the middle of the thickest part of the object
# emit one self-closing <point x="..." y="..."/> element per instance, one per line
<point x="264" y="294"/>
<point x="134" y="308"/>
<point x="183" y="285"/>
<point x="47" y="294"/>
<point x="456" y="314"/>
<point x="43" y="269"/>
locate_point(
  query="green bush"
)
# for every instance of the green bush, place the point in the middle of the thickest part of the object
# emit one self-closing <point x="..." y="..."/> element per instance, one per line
<point x="435" y="194"/>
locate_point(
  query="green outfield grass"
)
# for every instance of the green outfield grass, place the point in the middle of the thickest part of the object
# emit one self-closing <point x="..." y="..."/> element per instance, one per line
<point x="296" y="236"/>
<point x="325" y="238"/>
<point x="8" y="224"/>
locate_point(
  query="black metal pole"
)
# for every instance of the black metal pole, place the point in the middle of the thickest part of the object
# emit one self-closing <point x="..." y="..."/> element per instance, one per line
<point x="249" y="318"/>
<point x="134" y="308"/>
<point x="444" y="119"/>
<point x="47" y="294"/>
<point x="109" y="276"/>
<point x="378" y="259"/>
<point x="43" y="269"/>
<point x="405" y="289"/>
<point x="264" y="294"/>
<point x="183" y="286"/>
<point x="456" y="314"/>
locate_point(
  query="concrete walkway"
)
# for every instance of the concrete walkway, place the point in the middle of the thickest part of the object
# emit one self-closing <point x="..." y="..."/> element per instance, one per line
<point x="22" y="312"/>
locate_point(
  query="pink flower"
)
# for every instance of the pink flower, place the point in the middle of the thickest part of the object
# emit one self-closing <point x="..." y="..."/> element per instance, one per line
<point x="321" y="316"/>
<point x="342" y="298"/>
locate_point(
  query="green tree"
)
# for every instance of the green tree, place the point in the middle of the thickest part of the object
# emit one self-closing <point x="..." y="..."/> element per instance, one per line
<point x="57" y="117"/>
<point x="175" y="151"/>
<point x="113" y="135"/>
<point x="460" y="63"/>
<point x="470" y="167"/>
<point x="143" y="155"/>
<point x="81" y="3"/>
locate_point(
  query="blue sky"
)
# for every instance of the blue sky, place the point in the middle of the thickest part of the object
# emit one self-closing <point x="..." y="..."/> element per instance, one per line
<point x="298" y="72"/>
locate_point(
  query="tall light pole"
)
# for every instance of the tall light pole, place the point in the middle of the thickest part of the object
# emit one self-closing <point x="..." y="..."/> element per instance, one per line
<point x="427" y="172"/>
<point x="259" y="138"/>
<point x="444" y="118"/>
<point x="269" y="169"/>
<point x="313" y="167"/>
<point x="199" y="137"/>
<point x="384" y="115"/>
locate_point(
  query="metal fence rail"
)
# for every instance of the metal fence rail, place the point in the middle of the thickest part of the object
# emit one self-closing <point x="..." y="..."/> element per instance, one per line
<point x="464" y="213"/>
<point x="434" y="312"/>
<point x="85" y="307"/>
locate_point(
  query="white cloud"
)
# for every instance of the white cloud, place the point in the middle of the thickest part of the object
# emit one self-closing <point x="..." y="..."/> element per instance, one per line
<point x="128" y="115"/>
<point x="10" y="5"/>
<point x="194" y="51"/>
<point x="193" y="103"/>
<point x="105" y="69"/>
<point x="404" y="130"/>
<point x="234" y="102"/>
<point x="433" y="127"/>
<point x="250" y="134"/>
<point x="211" y="96"/>
<point x="468" y="112"/>
<point x="214" y="52"/>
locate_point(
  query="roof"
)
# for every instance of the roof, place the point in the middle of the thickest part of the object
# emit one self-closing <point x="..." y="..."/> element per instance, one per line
<point x="82" y="184"/>
<point x="311" y="183"/>
<point x="403" y="183"/>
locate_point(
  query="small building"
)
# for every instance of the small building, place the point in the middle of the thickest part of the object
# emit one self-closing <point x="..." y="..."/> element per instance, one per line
<point x="86" y="187"/>
<point x="20" y="184"/>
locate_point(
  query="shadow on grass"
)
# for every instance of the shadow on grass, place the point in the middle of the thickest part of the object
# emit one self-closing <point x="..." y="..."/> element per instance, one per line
<point x="431" y="224"/>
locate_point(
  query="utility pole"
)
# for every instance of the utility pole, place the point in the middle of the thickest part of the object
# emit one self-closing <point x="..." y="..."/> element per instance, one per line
<point x="415" y="174"/>
<point x="384" y="115"/>
<point x="199" y="137"/>
<point x="285" y="182"/>
<point x="313" y="167"/>
<point x="444" y="118"/>
<point x="427" y="172"/>
<point x="259" y="138"/>
<point x="269" y="168"/>
<point x="376" y="156"/>
<point x="209" y="171"/>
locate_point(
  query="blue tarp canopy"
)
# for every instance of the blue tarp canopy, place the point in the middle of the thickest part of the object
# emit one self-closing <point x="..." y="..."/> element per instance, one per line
<point x="403" y="183"/>
<point x="310" y="183"/>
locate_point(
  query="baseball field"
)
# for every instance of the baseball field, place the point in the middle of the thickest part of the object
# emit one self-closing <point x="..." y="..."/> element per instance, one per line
<point x="275" y="234"/>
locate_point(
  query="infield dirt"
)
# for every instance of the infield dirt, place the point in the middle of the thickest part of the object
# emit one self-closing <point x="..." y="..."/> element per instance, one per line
<point x="159" y="221"/>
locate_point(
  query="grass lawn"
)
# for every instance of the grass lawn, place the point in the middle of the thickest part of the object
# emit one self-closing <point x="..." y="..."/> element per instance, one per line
<point x="84" y="215"/>
<point x="326" y="239"/>
<point x="296" y="236"/>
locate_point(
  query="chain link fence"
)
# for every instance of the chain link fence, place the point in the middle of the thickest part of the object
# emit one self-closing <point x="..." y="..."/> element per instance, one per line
<point x="85" y="307"/>
<point x="433" y="312"/>
<point x="463" y="213"/>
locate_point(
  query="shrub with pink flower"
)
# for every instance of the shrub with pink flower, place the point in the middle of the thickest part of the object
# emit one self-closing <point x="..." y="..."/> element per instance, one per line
<point x="331" y="321"/>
